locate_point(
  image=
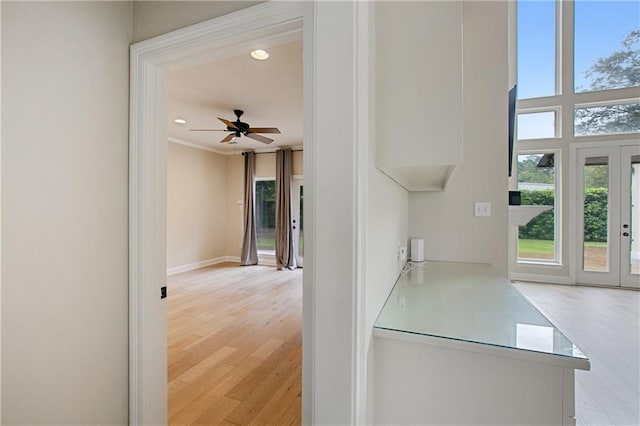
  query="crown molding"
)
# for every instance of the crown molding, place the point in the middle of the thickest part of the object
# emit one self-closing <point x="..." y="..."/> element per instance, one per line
<point x="275" y="148"/>
<point x="197" y="146"/>
<point x="224" y="152"/>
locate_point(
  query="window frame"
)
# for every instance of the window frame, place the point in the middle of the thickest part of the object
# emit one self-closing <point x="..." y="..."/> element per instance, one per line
<point x="557" y="210"/>
<point x="565" y="102"/>
<point x="558" y="119"/>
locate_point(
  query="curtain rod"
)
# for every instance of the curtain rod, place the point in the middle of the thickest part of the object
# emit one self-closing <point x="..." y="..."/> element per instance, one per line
<point x="271" y="152"/>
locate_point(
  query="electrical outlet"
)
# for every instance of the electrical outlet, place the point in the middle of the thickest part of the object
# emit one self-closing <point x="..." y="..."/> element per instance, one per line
<point x="402" y="253"/>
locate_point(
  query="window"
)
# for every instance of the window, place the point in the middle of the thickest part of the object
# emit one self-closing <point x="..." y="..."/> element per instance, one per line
<point x="606" y="120"/>
<point x="536" y="49"/>
<point x="599" y="63"/>
<point x="606" y="40"/>
<point x="596" y="211"/>
<point x="537" y="125"/>
<point x="537" y="240"/>
<point x="266" y="215"/>
<point x="578" y="82"/>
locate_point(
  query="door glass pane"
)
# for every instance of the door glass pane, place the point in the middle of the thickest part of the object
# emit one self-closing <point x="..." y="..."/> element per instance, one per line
<point x="536" y="183"/>
<point x="266" y="215"/>
<point x="634" y="229"/>
<point x="596" y="214"/>
<point x="606" y="120"/>
<point x="607" y="42"/>
<point x="301" y="224"/>
<point x="537" y="125"/>
<point x="536" y="40"/>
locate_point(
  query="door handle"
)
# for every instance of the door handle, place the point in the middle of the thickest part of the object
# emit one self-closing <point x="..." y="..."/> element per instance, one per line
<point x="625" y="234"/>
<point x="625" y="226"/>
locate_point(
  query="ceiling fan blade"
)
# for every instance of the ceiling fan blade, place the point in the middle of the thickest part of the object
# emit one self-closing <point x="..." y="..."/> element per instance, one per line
<point x="228" y="123"/>
<point x="228" y="138"/>
<point x="259" y="138"/>
<point x="207" y="130"/>
<point x="264" y="130"/>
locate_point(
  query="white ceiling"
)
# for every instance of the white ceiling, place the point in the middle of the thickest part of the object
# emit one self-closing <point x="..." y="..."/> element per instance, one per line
<point x="269" y="92"/>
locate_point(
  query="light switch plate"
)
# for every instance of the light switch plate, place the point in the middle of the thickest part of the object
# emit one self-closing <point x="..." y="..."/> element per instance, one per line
<point x="482" y="209"/>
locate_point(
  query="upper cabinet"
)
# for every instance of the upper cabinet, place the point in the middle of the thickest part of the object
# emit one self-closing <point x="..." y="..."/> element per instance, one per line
<point x="418" y="91"/>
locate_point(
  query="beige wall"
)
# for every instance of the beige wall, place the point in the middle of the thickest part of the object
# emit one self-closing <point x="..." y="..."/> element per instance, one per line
<point x="152" y="18"/>
<point x="235" y="201"/>
<point x="445" y="219"/>
<point x="196" y="205"/>
<point x="266" y="165"/>
<point x="65" y="97"/>
<point x="205" y="202"/>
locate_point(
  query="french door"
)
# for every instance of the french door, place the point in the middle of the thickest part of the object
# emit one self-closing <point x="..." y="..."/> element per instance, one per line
<point x="297" y="200"/>
<point x="608" y="216"/>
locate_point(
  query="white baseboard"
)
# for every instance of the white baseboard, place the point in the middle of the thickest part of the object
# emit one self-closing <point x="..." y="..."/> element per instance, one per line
<point x="201" y="264"/>
<point x="552" y="279"/>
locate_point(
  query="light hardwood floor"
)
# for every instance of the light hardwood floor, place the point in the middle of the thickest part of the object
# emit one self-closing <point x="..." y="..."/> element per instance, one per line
<point x="605" y="324"/>
<point x="234" y="346"/>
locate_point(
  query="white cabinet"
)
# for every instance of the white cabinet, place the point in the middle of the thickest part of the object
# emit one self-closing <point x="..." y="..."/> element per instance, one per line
<point x="456" y="344"/>
<point x="418" y="91"/>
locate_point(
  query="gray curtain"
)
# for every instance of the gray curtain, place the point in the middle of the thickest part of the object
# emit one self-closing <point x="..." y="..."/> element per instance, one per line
<point x="249" y="255"/>
<point x="285" y="250"/>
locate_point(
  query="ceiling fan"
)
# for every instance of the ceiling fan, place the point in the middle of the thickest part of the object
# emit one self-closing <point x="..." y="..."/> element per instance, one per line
<point x="238" y="128"/>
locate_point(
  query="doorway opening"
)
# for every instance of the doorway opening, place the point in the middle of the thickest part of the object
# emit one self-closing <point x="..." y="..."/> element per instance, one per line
<point x="234" y="334"/>
<point x="151" y="61"/>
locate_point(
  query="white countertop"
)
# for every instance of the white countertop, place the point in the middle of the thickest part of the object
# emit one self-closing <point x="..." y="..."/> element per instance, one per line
<point x="471" y="302"/>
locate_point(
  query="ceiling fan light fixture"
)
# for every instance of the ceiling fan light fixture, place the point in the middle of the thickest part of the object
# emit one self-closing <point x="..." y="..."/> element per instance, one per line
<point x="180" y="121"/>
<point x="260" y="54"/>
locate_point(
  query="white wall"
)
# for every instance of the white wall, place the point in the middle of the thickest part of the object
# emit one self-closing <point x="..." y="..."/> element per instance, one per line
<point x="196" y="205"/>
<point x="445" y="219"/>
<point x="64" y="207"/>
<point x="387" y="213"/>
<point x="387" y="228"/>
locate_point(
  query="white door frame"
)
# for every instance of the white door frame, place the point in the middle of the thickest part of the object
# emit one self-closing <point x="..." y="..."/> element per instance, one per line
<point x="0" y="215"/>
<point x="575" y="209"/>
<point x="336" y="63"/>
<point x="296" y="183"/>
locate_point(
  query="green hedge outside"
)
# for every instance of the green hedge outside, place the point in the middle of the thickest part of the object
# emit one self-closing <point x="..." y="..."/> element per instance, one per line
<point x="541" y="227"/>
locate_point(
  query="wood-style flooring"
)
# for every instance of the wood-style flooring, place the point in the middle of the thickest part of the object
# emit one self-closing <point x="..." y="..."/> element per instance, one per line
<point x="234" y="346"/>
<point x="605" y="324"/>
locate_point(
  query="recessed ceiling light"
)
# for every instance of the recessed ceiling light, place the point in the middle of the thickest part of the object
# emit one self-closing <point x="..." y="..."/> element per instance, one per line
<point x="260" y="54"/>
<point x="180" y="121"/>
